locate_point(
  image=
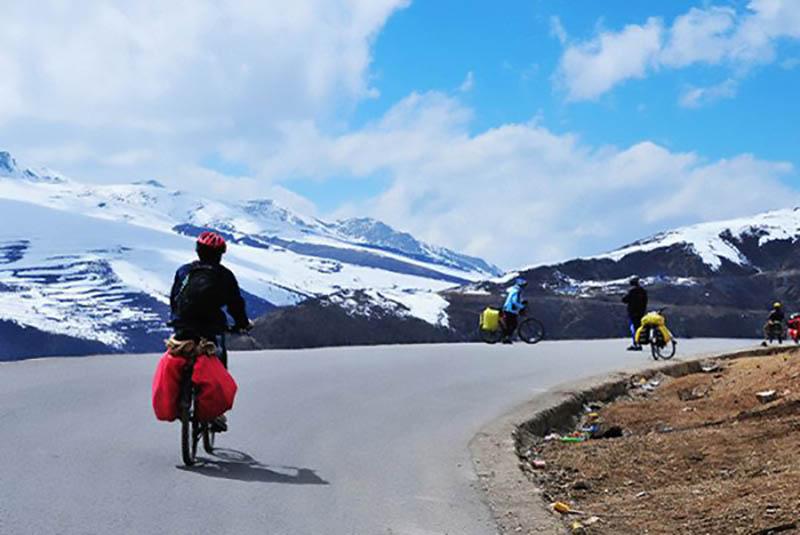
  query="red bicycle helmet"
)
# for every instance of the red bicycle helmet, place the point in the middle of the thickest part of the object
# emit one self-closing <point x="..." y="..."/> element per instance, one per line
<point x="212" y="240"/>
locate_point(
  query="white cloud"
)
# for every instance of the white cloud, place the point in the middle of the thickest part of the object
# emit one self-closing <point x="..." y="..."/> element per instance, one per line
<point x="214" y="184"/>
<point x="56" y="155"/>
<point x="520" y="193"/>
<point x="711" y="35"/>
<point x="468" y="83"/>
<point x="790" y="63"/>
<point x="589" y="69"/>
<point x="114" y="90"/>
<point x="695" y="97"/>
<point x="699" y="35"/>
<point x="179" y="79"/>
<point x="129" y="158"/>
<point x="557" y="30"/>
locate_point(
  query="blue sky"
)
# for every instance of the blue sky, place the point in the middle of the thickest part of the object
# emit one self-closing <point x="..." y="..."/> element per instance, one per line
<point x="513" y="57"/>
<point x="521" y="131"/>
<point x="512" y="54"/>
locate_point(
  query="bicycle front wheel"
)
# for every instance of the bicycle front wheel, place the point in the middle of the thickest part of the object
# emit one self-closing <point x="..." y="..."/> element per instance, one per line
<point x="655" y="342"/>
<point x="531" y="331"/>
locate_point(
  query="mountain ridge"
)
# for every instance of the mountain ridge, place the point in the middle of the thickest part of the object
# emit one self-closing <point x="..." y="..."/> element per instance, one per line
<point x="716" y="278"/>
<point x="94" y="262"/>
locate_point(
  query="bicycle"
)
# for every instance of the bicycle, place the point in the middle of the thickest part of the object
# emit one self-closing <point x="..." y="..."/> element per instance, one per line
<point x="775" y="331"/>
<point x="661" y="348"/>
<point x="654" y="332"/>
<point x="530" y="330"/>
<point x="192" y="430"/>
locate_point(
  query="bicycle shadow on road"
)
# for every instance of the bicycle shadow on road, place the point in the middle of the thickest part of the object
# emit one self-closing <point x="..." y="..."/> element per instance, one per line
<point x="228" y="463"/>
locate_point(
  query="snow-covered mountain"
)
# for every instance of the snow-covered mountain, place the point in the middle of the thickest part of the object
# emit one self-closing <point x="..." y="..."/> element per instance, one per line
<point x="762" y="242"/>
<point x="373" y="233"/>
<point x="93" y="264"/>
<point x="724" y="243"/>
<point x="717" y="279"/>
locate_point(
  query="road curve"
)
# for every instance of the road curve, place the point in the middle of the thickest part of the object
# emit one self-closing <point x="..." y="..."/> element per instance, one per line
<point x="329" y="441"/>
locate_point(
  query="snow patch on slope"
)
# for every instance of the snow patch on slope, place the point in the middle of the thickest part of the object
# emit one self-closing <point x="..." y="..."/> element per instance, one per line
<point x="592" y="288"/>
<point x="427" y="306"/>
<point x="716" y="241"/>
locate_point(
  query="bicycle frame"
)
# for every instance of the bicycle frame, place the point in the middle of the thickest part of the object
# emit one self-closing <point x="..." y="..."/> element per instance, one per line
<point x="192" y="430"/>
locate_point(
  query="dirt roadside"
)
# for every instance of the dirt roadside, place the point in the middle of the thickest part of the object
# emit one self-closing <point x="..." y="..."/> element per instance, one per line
<point x="520" y="505"/>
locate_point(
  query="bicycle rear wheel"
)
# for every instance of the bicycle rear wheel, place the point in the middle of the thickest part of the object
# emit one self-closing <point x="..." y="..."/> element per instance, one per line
<point x="531" y="331"/>
<point x="188" y="452"/>
<point x="491" y="337"/>
<point x="190" y="427"/>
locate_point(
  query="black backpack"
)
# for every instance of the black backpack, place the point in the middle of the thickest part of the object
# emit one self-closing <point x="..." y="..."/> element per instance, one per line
<point x="199" y="292"/>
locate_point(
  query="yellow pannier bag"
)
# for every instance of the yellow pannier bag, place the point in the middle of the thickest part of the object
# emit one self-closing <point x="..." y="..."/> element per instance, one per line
<point x="653" y="320"/>
<point x="490" y="319"/>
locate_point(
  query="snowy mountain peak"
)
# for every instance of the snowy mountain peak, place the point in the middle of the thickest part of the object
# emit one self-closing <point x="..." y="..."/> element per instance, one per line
<point x="276" y="219"/>
<point x="268" y="208"/>
<point x="154" y="183"/>
<point x="715" y="242"/>
<point x="9" y="168"/>
<point x="371" y="230"/>
<point x="8" y="164"/>
<point x="378" y="234"/>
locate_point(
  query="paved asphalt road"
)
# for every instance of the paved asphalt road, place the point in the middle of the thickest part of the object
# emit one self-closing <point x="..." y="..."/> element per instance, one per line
<point x="332" y="441"/>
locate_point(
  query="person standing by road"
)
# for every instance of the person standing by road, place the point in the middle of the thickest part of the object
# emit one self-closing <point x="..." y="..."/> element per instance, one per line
<point x="513" y="306"/>
<point x="636" y="299"/>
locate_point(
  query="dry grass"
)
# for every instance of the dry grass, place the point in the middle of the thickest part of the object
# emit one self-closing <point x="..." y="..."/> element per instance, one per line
<point x="721" y="464"/>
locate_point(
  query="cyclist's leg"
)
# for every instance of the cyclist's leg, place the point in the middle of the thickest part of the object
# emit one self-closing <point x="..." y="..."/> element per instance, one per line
<point x="510" y="321"/>
<point x="222" y="349"/>
<point x="632" y="328"/>
<point x="220" y="423"/>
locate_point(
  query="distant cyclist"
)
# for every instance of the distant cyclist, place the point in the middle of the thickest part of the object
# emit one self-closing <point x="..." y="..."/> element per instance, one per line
<point x="774" y="322"/>
<point x="201" y="290"/>
<point x="636" y="299"/>
<point x="512" y="307"/>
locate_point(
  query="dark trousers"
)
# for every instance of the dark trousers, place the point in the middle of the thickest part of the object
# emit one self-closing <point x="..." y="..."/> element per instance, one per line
<point x="510" y="322"/>
<point x="635" y="323"/>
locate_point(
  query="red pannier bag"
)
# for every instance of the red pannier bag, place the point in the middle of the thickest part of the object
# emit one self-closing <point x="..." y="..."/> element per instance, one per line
<point x="167" y="387"/>
<point x="794" y="328"/>
<point x="216" y="388"/>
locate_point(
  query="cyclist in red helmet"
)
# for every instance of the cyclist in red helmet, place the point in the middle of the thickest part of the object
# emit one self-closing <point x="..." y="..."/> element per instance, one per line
<point x="202" y="289"/>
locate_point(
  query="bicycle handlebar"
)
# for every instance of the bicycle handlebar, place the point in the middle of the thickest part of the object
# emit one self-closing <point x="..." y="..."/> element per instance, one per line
<point x="229" y="329"/>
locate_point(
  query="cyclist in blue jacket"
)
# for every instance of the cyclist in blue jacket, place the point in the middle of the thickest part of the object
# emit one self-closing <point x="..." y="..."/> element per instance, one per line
<point x="512" y="307"/>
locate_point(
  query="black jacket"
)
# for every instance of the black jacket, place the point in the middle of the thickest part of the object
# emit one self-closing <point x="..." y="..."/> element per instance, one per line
<point x="211" y="321"/>
<point x="636" y="299"/>
<point x="777" y="316"/>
